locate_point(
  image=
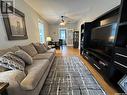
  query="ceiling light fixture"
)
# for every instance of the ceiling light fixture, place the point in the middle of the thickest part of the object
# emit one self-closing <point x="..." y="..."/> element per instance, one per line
<point x="62" y="23"/>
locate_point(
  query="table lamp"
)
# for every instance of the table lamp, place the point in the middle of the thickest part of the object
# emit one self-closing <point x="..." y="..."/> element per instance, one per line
<point x="48" y="39"/>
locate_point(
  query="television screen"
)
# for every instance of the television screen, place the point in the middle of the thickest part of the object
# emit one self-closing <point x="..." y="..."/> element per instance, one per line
<point x="105" y="34"/>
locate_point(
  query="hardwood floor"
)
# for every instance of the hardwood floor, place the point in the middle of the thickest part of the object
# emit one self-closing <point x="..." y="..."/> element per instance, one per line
<point x="67" y="51"/>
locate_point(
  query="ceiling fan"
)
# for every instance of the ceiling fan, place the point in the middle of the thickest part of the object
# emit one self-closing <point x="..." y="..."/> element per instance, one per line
<point x="64" y="20"/>
<point x="62" y="23"/>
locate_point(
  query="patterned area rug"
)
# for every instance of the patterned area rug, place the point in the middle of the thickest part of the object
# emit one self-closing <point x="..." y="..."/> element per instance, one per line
<point x="69" y="76"/>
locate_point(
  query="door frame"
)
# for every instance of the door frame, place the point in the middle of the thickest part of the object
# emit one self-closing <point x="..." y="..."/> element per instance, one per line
<point x="66" y="32"/>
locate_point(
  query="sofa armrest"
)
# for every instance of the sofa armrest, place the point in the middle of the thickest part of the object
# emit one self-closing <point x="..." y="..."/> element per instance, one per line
<point x="12" y="76"/>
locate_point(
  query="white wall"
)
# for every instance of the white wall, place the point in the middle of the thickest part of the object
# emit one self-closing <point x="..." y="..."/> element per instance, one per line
<point x="31" y="19"/>
<point x="54" y="32"/>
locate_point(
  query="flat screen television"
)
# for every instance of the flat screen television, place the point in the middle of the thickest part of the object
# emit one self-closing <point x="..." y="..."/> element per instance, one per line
<point x="103" y="38"/>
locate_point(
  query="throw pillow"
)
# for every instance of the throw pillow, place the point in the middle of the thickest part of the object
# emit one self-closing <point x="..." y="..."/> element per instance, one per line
<point x="40" y="48"/>
<point x="2" y="69"/>
<point x="24" y="56"/>
<point x="11" y="61"/>
<point x="30" y="49"/>
<point x="45" y="45"/>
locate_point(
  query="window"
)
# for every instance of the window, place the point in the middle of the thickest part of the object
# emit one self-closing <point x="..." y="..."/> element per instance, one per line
<point x="41" y="31"/>
<point x="63" y="34"/>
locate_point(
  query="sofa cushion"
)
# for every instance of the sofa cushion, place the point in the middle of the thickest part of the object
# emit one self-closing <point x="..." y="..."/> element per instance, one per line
<point x="25" y="56"/>
<point x="13" y="49"/>
<point x="30" y="49"/>
<point x="35" y="73"/>
<point x="40" y="48"/>
<point x="10" y="61"/>
<point x="46" y="55"/>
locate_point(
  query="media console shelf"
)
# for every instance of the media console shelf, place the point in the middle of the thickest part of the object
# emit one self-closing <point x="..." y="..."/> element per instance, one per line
<point x="121" y="40"/>
<point x="107" y="53"/>
<point x="120" y="53"/>
<point x="120" y="59"/>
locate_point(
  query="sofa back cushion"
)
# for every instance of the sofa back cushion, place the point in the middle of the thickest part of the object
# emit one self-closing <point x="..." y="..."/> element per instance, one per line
<point x="40" y="48"/>
<point x="30" y="49"/>
<point x="13" y="49"/>
<point x="11" y="61"/>
<point x="46" y="46"/>
<point x="24" y="56"/>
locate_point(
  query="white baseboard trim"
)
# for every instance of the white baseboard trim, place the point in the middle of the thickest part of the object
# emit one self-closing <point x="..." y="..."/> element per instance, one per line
<point x="69" y="45"/>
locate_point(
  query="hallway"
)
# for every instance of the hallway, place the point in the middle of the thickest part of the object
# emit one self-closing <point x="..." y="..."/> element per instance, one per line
<point x="70" y="51"/>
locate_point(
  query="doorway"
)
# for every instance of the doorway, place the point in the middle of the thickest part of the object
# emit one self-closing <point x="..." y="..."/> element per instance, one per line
<point x="62" y="36"/>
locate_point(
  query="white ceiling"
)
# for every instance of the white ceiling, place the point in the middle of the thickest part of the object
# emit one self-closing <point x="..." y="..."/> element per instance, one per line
<point x="51" y="10"/>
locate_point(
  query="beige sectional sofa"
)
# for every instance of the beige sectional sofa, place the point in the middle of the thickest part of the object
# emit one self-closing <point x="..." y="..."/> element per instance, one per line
<point x="30" y="83"/>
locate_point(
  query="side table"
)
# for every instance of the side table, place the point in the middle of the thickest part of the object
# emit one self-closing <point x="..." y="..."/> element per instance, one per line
<point x="3" y="88"/>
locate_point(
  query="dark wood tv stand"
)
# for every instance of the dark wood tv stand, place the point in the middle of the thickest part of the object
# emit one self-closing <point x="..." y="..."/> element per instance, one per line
<point x="105" y="67"/>
<point x="114" y="66"/>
